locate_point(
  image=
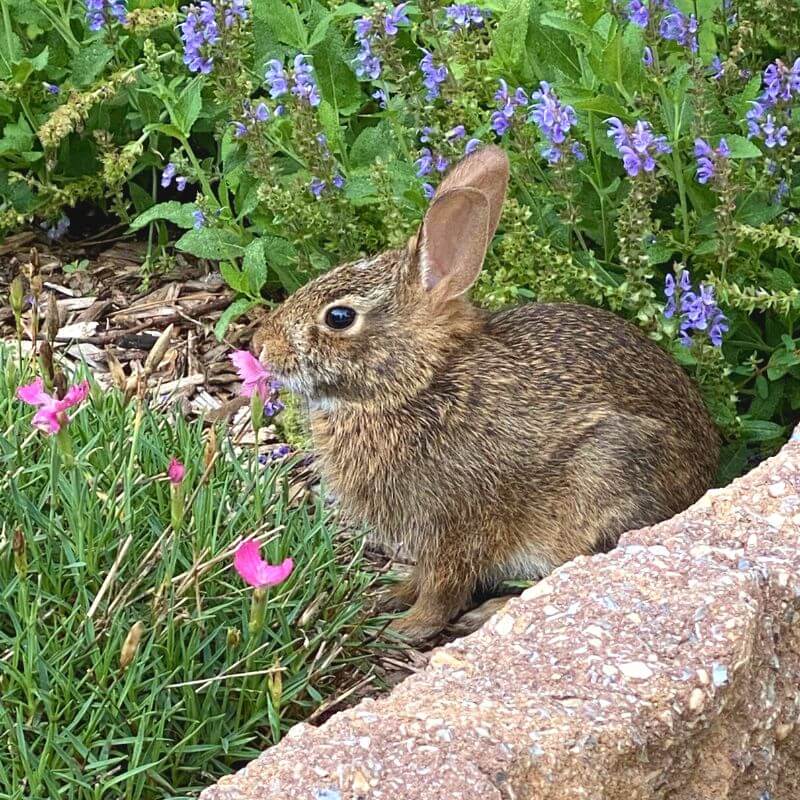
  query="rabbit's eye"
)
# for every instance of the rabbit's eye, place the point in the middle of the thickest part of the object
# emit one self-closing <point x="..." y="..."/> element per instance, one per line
<point x="340" y="317"/>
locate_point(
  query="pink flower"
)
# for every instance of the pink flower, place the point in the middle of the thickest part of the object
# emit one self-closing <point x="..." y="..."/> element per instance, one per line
<point x="175" y="471"/>
<point x="255" y="378"/>
<point x="52" y="413"/>
<point x="255" y="571"/>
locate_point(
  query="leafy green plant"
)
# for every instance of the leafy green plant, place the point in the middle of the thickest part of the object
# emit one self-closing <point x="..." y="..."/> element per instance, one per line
<point x="294" y="135"/>
<point x="126" y="664"/>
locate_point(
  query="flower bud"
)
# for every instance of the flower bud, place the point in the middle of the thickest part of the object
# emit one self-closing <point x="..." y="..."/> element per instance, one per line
<point x="52" y="318"/>
<point x="158" y="351"/>
<point x="115" y="369"/>
<point x="275" y="684"/>
<point x="16" y="295"/>
<point x="19" y="548"/>
<point x="131" y="645"/>
<point x="234" y="637"/>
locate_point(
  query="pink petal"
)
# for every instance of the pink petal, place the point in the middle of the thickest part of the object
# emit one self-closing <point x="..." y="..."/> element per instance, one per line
<point x="253" y="374"/>
<point x="176" y="471"/>
<point x="76" y="394"/>
<point x="272" y="576"/>
<point x="255" y="571"/>
<point x="49" y="418"/>
<point x="34" y="394"/>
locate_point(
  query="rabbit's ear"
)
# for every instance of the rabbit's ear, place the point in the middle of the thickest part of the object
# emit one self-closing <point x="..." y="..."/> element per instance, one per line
<point x="461" y="221"/>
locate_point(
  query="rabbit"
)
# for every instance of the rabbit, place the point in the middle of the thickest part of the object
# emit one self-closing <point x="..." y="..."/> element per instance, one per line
<point x="494" y="445"/>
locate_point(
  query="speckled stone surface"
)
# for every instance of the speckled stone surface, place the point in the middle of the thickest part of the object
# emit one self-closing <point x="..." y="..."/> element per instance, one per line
<point x="668" y="668"/>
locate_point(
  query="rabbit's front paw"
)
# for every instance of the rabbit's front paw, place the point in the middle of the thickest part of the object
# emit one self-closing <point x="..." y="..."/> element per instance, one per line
<point x="399" y="596"/>
<point x="417" y="626"/>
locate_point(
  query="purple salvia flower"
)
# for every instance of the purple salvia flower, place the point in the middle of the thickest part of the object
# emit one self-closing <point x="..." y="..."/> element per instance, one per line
<point x="56" y="230"/>
<point x="552" y="117"/>
<point x="780" y="192"/>
<point x="507" y="104"/>
<point x="471" y="146"/>
<point x="717" y="68"/>
<point x="98" y="13"/>
<point x="200" y="33"/>
<point x="637" y="146"/>
<point x="168" y="174"/>
<point x="647" y="56"/>
<point x="433" y="75"/>
<point x="677" y="27"/>
<point x="707" y="158"/>
<point x="463" y="16"/>
<point x="380" y="96"/>
<point x="459" y="132"/>
<point x="669" y="292"/>
<point x="305" y="85"/>
<point x="234" y="10"/>
<point x="180" y="183"/>
<point x="699" y="310"/>
<point x="440" y="163"/>
<point x="199" y="219"/>
<point x="277" y="79"/>
<point x="424" y="163"/>
<point x="768" y="115"/>
<point x="638" y="13"/>
<point x="317" y="187"/>
<point x="338" y="180"/>
<point x="51" y="88"/>
<point x="428" y="190"/>
<point x="397" y="16"/>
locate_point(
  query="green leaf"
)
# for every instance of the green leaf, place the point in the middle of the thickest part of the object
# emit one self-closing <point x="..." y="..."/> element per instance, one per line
<point x="213" y="243"/>
<point x="329" y="120"/>
<point x="283" y="21"/>
<point x="254" y="266"/>
<point x="23" y="69"/>
<point x="281" y="256"/>
<point x="733" y="460"/>
<point x="234" y="277"/>
<point x="630" y="57"/>
<point x="336" y="79"/>
<point x="741" y="147"/>
<point x="761" y="430"/>
<point x="188" y="106"/>
<point x="370" y="144"/>
<point x="568" y="24"/>
<point x="604" y="105"/>
<point x="279" y="252"/>
<point x="173" y="210"/>
<point x="17" y="137"/>
<point x="238" y="307"/>
<point x="89" y="62"/>
<point x="321" y="30"/>
<point x="511" y="33"/>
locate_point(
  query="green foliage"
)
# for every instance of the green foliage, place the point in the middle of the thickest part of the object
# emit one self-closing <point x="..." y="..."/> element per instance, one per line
<point x="75" y="723"/>
<point x="583" y="231"/>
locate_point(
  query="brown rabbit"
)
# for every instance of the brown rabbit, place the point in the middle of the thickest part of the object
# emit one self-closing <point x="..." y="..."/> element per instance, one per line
<point x="495" y="446"/>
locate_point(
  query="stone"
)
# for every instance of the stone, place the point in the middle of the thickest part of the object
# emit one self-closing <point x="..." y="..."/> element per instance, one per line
<point x="691" y="695"/>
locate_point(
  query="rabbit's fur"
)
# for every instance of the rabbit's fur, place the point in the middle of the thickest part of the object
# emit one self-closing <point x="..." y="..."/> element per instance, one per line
<point x="494" y="445"/>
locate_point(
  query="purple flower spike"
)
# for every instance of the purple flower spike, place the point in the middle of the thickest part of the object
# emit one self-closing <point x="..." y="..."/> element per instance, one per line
<point x="638" y="146"/>
<point x="433" y="75"/>
<point x="699" y="310"/>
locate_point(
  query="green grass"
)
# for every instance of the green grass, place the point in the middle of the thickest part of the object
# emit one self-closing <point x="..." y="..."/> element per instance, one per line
<point x="73" y="724"/>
